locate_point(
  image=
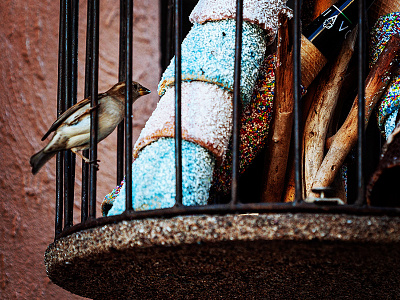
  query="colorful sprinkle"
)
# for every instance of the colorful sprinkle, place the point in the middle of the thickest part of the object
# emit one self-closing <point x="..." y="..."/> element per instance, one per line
<point x="255" y="121"/>
<point x="383" y="29"/>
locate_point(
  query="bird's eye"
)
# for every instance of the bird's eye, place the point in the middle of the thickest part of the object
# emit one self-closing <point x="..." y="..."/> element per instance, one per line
<point x="135" y="86"/>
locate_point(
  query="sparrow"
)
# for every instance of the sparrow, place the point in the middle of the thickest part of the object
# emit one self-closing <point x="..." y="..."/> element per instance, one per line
<point x="72" y="128"/>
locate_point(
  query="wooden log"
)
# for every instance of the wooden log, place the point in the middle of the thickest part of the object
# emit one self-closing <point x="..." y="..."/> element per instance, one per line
<point x="321" y="6"/>
<point x="321" y="112"/>
<point x="312" y="61"/>
<point x="281" y="129"/>
<point x="378" y="9"/>
<point x="344" y="140"/>
<point x="312" y="9"/>
<point x="289" y="193"/>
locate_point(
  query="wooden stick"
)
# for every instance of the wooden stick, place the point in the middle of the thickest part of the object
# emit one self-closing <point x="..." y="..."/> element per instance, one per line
<point x="322" y="109"/>
<point x="312" y="61"/>
<point x="380" y="8"/>
<point x="345" y="139"/>
<point x="312" y="9"/>
<point x="289" y="193"/>
<point x="321" y="6"/>
<point x="281" y="129"/>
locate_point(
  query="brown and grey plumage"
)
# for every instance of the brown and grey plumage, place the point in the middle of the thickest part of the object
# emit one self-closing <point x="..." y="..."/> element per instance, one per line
<point x="72" y="128"/>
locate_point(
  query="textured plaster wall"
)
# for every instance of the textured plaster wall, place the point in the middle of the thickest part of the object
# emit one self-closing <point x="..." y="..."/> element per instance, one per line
<point x="28" y="89"/>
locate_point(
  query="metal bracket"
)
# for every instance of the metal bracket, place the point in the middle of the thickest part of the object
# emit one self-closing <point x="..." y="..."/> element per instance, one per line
<point x="322" y="199"/>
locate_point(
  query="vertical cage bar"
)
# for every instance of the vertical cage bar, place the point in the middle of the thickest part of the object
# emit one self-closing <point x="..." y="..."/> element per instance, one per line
<point x="88" y="87"/>
<point x="236" y="102"/>
<point x="60" y="109"/>
<point x="73" y="94"/>
<point x="170" y="45"/>
<point x="120" y="151"/>
<point x="94" y="103"/>
<point x="128" y="104"/>
<point x="59" y="193"/>
<point x="167" y="32"/>
<point x="296" y="92"/>
<point x="121" y="77"/>
<point x="361" y="103"/>
<point x="178" y="98"/>
<point x="67" y="95"/>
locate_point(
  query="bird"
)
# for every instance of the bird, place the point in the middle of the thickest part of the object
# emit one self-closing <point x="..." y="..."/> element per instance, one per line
<point x="72" y="128"/>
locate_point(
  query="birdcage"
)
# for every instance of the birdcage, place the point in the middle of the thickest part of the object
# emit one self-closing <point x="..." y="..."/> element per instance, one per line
<point x="310" y="242"/>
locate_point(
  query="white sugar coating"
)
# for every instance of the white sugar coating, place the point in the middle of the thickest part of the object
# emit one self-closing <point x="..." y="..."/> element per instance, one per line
<point x="153" y="174"/>
<point x="206" y="117"/>
<point x="208" y="54"/>
<point x="261" y="12"/>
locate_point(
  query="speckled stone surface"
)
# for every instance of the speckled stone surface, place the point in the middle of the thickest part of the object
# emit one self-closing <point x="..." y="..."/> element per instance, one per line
<point x="257" y="256"/>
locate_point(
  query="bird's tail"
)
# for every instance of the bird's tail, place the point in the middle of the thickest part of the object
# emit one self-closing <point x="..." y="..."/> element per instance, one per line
<point x="38" y="160"/>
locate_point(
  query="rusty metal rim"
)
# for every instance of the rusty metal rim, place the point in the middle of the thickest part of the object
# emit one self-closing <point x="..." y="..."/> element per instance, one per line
<point x="228" y="208"/>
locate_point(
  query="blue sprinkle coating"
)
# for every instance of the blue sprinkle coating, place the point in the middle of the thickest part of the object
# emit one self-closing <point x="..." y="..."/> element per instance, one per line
<point x="153" y="172"/>
<point x="388" y="107"/>
<point x="208" y="54"/>
<point x="390" y="124"/>
<point x="344" y="170"/>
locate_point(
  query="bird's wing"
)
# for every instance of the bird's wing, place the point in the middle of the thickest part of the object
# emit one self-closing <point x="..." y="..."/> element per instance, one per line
<point x="65" y="115"/>
<point x="86" y="112"/>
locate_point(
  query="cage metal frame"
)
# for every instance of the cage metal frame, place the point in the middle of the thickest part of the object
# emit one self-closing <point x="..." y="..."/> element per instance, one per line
<point x="66" y="97"/>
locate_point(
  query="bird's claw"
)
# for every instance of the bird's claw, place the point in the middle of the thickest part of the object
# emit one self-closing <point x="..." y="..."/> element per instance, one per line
<point x="94" y="163"/>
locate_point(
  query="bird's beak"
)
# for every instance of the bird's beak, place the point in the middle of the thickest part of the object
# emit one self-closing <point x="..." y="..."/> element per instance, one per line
<point x="144" y="91"/>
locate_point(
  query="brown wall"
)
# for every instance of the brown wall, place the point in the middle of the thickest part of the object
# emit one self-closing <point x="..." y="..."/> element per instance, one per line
<point x="28" y="89"/>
